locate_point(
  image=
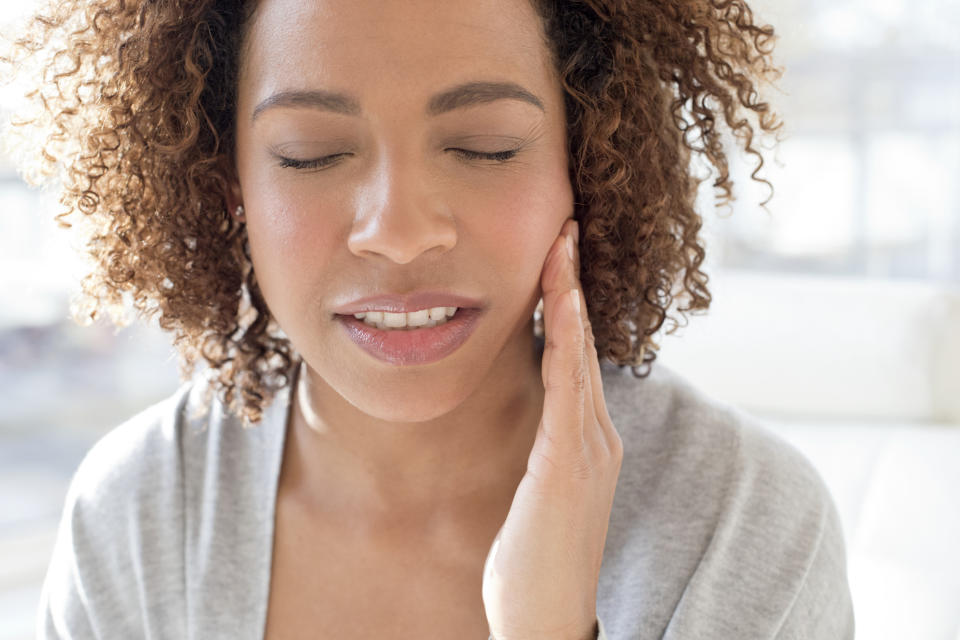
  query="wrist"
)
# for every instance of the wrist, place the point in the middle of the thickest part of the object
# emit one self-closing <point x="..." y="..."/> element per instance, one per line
<point x="594" y="634"/>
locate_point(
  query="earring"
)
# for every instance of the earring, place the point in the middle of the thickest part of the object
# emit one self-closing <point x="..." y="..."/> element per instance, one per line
<point x="238" y="212"/>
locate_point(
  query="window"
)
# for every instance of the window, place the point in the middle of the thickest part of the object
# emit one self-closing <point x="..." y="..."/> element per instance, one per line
<point x="867" y="178"/>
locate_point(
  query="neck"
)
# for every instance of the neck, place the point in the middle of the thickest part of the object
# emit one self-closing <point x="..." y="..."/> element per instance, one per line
<point x="341" y="461"/>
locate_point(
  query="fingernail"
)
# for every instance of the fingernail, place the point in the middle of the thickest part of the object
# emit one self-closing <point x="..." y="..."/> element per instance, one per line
<point x="570" y="247"/>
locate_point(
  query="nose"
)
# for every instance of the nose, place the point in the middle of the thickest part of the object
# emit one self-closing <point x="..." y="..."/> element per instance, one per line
<point x="401" y="213"/>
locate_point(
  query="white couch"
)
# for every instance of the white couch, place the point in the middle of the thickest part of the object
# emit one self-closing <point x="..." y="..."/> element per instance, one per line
<point x="863" y="376"/>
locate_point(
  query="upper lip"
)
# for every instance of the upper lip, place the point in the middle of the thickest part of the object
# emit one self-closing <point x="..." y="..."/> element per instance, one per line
<point x="407" y="302"/>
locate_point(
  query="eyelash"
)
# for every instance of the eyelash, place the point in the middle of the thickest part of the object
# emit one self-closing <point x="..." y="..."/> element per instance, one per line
<point x="326" y="161"/>
<point x="317" y="163"/>
<point x="497" y="156"/>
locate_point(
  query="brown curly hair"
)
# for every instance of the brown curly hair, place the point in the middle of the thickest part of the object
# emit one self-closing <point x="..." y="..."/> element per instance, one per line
<point x="136" y="103"/>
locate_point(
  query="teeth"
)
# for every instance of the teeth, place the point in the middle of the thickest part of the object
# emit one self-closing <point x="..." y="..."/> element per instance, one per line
<point x="422" y="318"/>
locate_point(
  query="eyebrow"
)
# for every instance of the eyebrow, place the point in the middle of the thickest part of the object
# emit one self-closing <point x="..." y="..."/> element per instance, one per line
<point x="458" y="97"/>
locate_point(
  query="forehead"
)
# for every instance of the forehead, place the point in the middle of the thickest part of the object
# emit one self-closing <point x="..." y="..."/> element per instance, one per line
<point x="392" y="49"/>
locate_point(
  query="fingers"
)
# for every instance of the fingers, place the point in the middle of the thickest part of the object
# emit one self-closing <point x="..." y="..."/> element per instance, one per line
<point x="593" y="360"/>
<point x="565" y="372"/>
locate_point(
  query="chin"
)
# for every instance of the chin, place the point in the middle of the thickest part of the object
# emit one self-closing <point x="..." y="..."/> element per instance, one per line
<point x="419" y="407"/>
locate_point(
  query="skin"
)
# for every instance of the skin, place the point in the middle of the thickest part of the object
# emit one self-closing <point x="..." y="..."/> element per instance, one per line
<point x="400" y="451"/>
<point x="401" y="213"/>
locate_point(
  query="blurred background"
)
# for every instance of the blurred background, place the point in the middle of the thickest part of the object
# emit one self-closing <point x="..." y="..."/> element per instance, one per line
<point x="836" y="314"/>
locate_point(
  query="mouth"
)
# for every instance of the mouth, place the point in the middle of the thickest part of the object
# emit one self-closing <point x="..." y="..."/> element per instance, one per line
<point x="404" y="343"/>
<point x="414" y="303"/>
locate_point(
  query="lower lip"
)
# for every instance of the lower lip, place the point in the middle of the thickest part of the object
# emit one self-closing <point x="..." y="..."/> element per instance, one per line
<point x="413" y="346"/>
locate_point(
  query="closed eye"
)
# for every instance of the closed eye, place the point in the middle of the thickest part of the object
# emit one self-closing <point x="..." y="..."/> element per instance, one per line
<point x="315" y="163"/>
<point x="327" y="161"/>
<point x="498" y="156"/>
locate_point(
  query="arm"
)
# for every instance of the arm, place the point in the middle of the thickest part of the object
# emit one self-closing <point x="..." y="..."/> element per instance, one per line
<point x="775" y="566"/>
<point x="115" y="571"/>
<point x="599" y="633"/>
<point x="69" y="584"/>
<point x="823" y="607"/>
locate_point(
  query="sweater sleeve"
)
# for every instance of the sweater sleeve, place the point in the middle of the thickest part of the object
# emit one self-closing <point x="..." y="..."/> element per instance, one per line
<point x="74" y="582"/>
<point x="775" y="566"/>
<point x="822" y="607"/>
<point x="82" y="594"/>
<point x="116" y="569"/>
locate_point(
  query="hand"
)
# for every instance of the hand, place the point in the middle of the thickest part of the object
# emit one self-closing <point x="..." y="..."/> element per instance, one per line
<point x="541" y="573"/>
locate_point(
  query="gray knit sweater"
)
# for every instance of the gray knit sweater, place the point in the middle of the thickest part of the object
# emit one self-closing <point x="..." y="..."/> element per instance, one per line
<point x="720" y="529"/>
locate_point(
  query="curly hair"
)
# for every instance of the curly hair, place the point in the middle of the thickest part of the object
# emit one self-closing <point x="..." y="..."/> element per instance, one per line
<point x="134" y="112"/>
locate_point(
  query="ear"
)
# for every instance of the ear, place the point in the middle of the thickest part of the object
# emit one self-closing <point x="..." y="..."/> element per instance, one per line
<point x="233" y="195"/>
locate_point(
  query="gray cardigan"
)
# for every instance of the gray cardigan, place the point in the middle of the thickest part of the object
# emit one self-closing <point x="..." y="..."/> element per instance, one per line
<point x="719" y="529"/>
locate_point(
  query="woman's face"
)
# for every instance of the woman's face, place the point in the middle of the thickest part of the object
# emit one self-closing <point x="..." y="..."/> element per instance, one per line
<point x="362" y="183"/>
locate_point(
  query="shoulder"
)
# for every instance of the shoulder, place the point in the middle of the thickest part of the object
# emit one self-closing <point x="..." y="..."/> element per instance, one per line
<point x="162" y="506"/>
<point x="675" y="429"/>
<point x="123" y="530"/>
<point x="112" y="545"/>
<point x="146" y="446"/>
<point x="139" y="465"/>
<point x="747" y="536"/>
<point x="171" y="462"/>
<point x="166" y="449"/>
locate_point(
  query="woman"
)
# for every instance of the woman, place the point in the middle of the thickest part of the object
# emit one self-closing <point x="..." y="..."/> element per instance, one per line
<point x="294" y="187"/>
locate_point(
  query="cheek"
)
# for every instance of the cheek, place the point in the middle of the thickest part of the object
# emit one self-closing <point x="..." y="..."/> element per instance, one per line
<point x="529" y="213"/>
<point x="288" y="237"/>
<point x="281" y="207"/>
